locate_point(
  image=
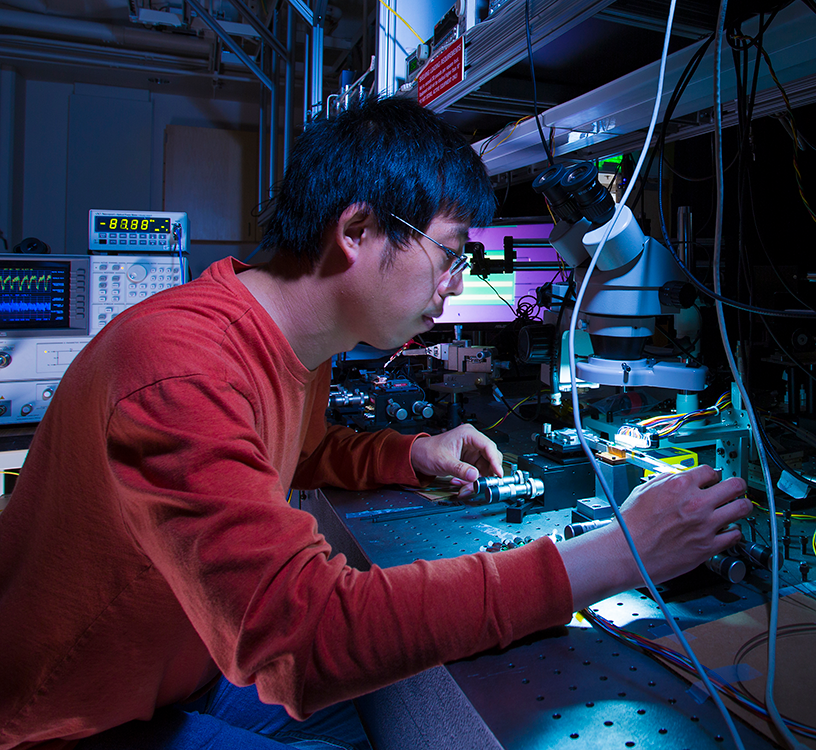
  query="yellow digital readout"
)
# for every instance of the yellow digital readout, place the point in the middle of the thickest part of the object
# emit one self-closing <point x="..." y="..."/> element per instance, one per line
<point x="132" y="224"/>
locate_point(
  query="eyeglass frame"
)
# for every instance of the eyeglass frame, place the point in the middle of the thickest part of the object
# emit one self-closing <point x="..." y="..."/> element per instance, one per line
<point x="460" y="261"/>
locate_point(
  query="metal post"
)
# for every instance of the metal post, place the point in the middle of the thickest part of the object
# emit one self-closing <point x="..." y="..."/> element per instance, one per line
<point x="262" y="98"/>
<point x="317" y="70"/>
<point x="685" y="237"/>
<point x="290" y="81"/>
<point x="274" y="118"/>
<point x="306" y="73"/>
<point x="316" y="103"/>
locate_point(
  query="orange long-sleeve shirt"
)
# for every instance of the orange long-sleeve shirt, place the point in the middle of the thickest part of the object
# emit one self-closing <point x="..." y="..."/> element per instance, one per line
<point x="148" y="544"/>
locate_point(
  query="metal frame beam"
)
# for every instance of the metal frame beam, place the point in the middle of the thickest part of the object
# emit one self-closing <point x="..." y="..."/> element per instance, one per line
<point x="256" y="24"/>
<point x="612" y="118"/>
<point x="230" y="42"/>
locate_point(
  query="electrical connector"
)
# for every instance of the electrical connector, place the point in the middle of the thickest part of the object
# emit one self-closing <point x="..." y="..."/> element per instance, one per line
<point x="630" y="437"/>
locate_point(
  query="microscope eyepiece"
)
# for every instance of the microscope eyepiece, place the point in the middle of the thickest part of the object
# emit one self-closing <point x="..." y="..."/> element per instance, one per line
<point x="592" y="198"/>
<point x="549" y="184"/>
<point x="574" y="192"/>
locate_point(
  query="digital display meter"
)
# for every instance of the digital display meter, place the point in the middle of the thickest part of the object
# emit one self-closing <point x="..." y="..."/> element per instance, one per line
<point x="112" y="231"/>
<point x="150" y="224"/>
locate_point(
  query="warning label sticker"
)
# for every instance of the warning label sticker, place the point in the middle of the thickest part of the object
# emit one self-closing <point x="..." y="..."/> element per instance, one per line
<point x="441" y="73"/>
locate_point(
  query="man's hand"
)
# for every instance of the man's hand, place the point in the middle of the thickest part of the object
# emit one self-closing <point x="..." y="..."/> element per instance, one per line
<point x="463" y="453"/>
<point x="677" y="522"/>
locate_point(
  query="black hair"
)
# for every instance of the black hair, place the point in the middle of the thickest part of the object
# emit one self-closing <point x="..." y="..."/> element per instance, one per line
<point x="389" y="154"/>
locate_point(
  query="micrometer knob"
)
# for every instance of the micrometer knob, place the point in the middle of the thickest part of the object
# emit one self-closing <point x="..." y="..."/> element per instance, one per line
<point x="756" y="553"/>
<point x="729" y="567"/>
<point x="397" y="411"/>
<point x="422" y="409"/>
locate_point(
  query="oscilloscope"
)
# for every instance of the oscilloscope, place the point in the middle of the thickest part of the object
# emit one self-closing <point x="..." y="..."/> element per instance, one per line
<point x="44" y="296"/>
<point x="52" y="306"/>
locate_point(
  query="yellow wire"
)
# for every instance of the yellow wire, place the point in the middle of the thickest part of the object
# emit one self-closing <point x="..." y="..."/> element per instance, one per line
<point x="496" y="424"/>
<point x="12" y="473"/>
<point x="410" y="28"/>
<point x="509" y="412"/>
<point x="797" y="516"/>
<point x="515" y="125"/>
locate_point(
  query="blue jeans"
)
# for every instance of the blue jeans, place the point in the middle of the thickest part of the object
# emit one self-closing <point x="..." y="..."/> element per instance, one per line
<point x="232" y="718"/>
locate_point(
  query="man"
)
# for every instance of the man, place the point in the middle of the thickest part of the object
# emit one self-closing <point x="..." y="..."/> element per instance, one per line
<point x="156" y="589"/>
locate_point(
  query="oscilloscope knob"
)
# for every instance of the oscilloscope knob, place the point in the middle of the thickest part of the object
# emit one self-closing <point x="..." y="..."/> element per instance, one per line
<point x="137" y="272"/>
<point x="5" y="359"/>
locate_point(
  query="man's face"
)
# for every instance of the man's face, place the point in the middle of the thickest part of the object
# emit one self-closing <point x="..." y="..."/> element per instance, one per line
<point x="413" y="287"/>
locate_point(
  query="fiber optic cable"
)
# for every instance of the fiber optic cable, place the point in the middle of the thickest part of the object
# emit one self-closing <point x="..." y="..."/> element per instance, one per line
<point x="746" y="403"/>
<point x="576" y="410"/>
<point x="671" y="656"/>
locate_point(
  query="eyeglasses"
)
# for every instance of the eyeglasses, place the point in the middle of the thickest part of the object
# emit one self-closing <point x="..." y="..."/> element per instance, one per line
<point x="459" y="262"/>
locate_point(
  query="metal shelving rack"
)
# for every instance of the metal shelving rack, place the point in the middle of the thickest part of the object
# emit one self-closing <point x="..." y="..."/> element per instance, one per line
<point x="612" y="118"/>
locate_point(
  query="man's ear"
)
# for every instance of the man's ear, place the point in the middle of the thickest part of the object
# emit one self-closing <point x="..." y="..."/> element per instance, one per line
<point x="356" y="226"/>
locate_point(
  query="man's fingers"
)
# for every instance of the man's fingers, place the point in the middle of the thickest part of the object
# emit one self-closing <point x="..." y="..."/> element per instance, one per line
<point x="705" y="475"/>
<point x="729" y="489"/>
<point x="729" y="512"/>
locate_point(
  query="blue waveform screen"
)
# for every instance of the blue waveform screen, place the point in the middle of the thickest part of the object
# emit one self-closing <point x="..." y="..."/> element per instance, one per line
<point x="34" y="293"/>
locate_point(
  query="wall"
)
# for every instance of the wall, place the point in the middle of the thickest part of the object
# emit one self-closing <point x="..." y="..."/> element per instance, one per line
<point x="79" y="141"/>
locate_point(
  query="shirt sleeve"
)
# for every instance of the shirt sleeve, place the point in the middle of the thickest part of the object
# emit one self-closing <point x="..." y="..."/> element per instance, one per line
<point x="338" y="456"/>
<point x="357" y="460"/>
<point x="203" y="502"/>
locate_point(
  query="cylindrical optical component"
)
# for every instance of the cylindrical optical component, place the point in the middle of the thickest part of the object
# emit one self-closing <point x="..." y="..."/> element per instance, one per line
<point x="576" y="529"/>
<point x="422" y="409"/>
<point x="396" y="411"/>
<point x="593" y="199"/>
<point x="518" y="486"/>
<point x="549" y="184"/>
<point x="727" y="566"/>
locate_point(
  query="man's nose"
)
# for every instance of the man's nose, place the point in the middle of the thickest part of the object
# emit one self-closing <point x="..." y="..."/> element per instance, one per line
<point x="452" y="285"/>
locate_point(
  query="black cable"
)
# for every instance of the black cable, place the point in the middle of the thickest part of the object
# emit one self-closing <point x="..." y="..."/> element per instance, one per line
<point x="725" y="300"/>
<point x="699" y="285"/>
<point x="767" y="255"/>
<point x="707" y="178"/>
<point x="512" y="409"/>
<point x="484" y="278"/>
<point x="544" y="143"/>
<point x="683" y="349"/>
<point x="677" y="94"/>
<point x="679" y="89"/>
<point x="741" y="45"/>
<point x="777" y="459"/>
<point x="787" y="353"/>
